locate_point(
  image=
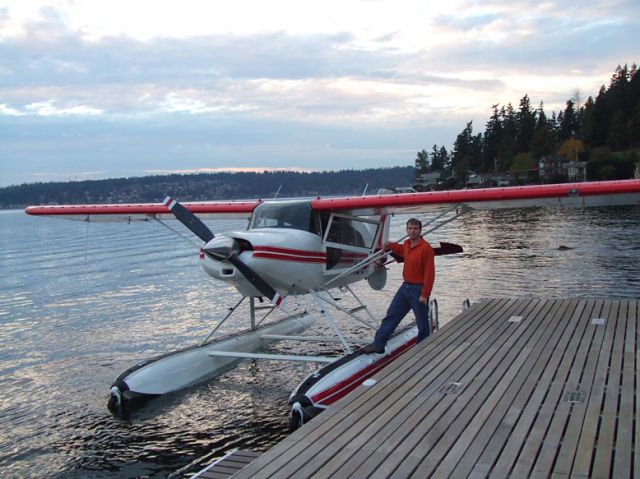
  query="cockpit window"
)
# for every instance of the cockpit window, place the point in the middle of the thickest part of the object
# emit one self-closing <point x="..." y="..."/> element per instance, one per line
<point x="285" y="214"/>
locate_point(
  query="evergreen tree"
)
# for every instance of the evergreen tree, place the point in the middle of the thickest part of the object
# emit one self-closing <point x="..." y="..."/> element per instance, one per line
<point x="589" y="122"/>
<point x="463" y="153"/>
<point x="433" y="157"/>
<point x="617" y="134"/>
<point x="507" y="145"/>
<point x="634" y="115"/>
<point x="541" y="119"/>
<point x="526" y="119"/>
<point x="491" y="143"/>
<point x="568" y="122"/>
<point x="422" y="162"/>
<point x="601" y="115"/>
<point x="443" y="160"/>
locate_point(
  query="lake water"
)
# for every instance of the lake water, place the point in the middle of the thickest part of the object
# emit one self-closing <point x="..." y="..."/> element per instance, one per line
<point x="80" y="303"/>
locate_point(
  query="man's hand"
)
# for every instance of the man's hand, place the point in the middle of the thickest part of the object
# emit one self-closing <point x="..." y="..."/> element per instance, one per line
<point x="423" y="299"/>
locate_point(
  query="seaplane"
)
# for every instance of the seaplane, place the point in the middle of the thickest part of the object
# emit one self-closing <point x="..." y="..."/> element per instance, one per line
<point x="308" y="247"/>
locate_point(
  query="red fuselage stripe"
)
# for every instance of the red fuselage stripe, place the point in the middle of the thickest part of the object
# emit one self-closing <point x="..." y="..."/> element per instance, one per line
<point x="287" y="257"/>
<point x="288" y="254"/>
<point x="297" y="252"/>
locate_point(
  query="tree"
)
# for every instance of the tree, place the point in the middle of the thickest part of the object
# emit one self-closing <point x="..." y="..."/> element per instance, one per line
<point x="507" y="145"/>
<point x="439" y="158"/>
<point x="617" y="135"/>
<point x="634" y="126"/>
<point x="542" y="143"/>
<point x="541" y="119"/>
<point x="571" y="149"/>
<point x="467" y="152"/>
<point x="523" y="162"/>
<point x="601" y="115"/>
<point x="422" y="162"/>
<point x="491" y="143"/>
<point x="589" y="122"/>
<point x="568" y="122"/>
<point x="526" y="119"/>
<point x="443" y="159"/>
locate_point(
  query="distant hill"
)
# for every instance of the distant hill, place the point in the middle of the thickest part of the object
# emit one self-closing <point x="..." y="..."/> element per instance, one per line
<point x="200" y="187"/>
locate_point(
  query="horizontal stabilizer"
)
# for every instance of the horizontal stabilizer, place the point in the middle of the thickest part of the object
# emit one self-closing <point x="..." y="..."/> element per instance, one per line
<point x="447" y="248"/>
<point x="443" y="249"/>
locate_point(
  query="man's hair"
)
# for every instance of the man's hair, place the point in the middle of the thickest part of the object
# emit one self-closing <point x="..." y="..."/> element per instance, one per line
<point x="414" y="221"/>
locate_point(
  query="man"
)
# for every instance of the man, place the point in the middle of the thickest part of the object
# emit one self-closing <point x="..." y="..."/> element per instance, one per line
<point x="418" y="274"/>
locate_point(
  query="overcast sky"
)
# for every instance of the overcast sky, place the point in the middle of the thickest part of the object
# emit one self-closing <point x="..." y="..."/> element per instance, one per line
<point x="97" y="89"/>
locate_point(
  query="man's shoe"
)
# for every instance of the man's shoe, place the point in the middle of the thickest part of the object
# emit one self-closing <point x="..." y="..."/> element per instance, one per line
<point x="370" y="349"/>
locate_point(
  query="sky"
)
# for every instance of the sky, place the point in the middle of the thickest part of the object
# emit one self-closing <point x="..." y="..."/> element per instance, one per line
<point x="94" y="89"/>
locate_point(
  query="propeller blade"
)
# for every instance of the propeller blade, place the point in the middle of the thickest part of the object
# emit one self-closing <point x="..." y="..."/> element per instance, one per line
<point x="187" y="218"/>
<point x="253" y="277"/>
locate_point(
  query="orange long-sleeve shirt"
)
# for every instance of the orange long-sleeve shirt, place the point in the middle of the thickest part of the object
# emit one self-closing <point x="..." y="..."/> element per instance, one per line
<point x="419" y="264"/>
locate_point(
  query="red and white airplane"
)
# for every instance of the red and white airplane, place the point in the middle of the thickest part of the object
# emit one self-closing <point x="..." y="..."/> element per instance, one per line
<point x="307" y="246"/>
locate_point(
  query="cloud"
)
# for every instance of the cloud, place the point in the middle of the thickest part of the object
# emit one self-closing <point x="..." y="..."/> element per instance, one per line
<point x="100" y="87"/>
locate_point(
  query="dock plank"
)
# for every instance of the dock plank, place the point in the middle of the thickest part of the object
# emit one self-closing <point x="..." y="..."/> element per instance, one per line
<point x="582" y="382"/>
<point x="512" y="408"/>
<point x="544" y="391"/>
<point x="566" y="383"/>
<point x="623" y="457"/>
<point x="549" y="395"/>
<point x="635" y="312"/>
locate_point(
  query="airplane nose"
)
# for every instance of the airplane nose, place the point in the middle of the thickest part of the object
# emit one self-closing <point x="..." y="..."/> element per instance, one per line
<point x="221" y="248"/>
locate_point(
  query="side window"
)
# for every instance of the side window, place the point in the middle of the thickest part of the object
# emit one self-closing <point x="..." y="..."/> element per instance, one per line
<point x="351" y="232"/>
<point x="347" y="240"/>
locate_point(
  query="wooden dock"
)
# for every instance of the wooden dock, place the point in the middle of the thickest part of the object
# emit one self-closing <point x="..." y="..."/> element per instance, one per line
<point x="510" y="388"/>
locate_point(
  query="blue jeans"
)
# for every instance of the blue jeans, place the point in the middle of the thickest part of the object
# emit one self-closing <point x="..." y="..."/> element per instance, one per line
<point x="407" y="298"/>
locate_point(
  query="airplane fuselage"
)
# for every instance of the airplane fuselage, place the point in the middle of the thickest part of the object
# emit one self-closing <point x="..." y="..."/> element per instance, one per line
<point x="295" y="249"/>
<point x="292" y="261"/>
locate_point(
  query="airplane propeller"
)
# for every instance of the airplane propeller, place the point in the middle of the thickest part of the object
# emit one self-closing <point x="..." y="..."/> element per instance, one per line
<point x="221" y="248"/>
<point x="187" y="218"/>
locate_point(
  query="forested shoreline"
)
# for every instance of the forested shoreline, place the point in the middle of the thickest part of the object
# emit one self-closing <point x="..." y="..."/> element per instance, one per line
<point x="603" y="131"/>
<point x="210" y="186"/>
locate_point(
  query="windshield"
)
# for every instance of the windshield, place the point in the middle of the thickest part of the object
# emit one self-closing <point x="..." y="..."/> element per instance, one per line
<point x="285" y="214"/>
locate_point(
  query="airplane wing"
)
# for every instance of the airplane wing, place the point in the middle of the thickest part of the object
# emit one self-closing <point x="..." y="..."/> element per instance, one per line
<point x="144" y="211"/>
<point x="598" y="193"/>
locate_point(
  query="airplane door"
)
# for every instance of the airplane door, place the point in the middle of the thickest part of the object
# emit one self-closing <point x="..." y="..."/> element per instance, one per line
<point x="349" y="240"/>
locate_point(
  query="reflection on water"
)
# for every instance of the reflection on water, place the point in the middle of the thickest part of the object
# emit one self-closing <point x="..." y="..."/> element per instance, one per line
<point x="80" y="304"/>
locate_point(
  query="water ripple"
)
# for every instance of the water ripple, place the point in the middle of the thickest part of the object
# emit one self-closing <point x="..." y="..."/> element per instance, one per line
<point x="78" y="305"/>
